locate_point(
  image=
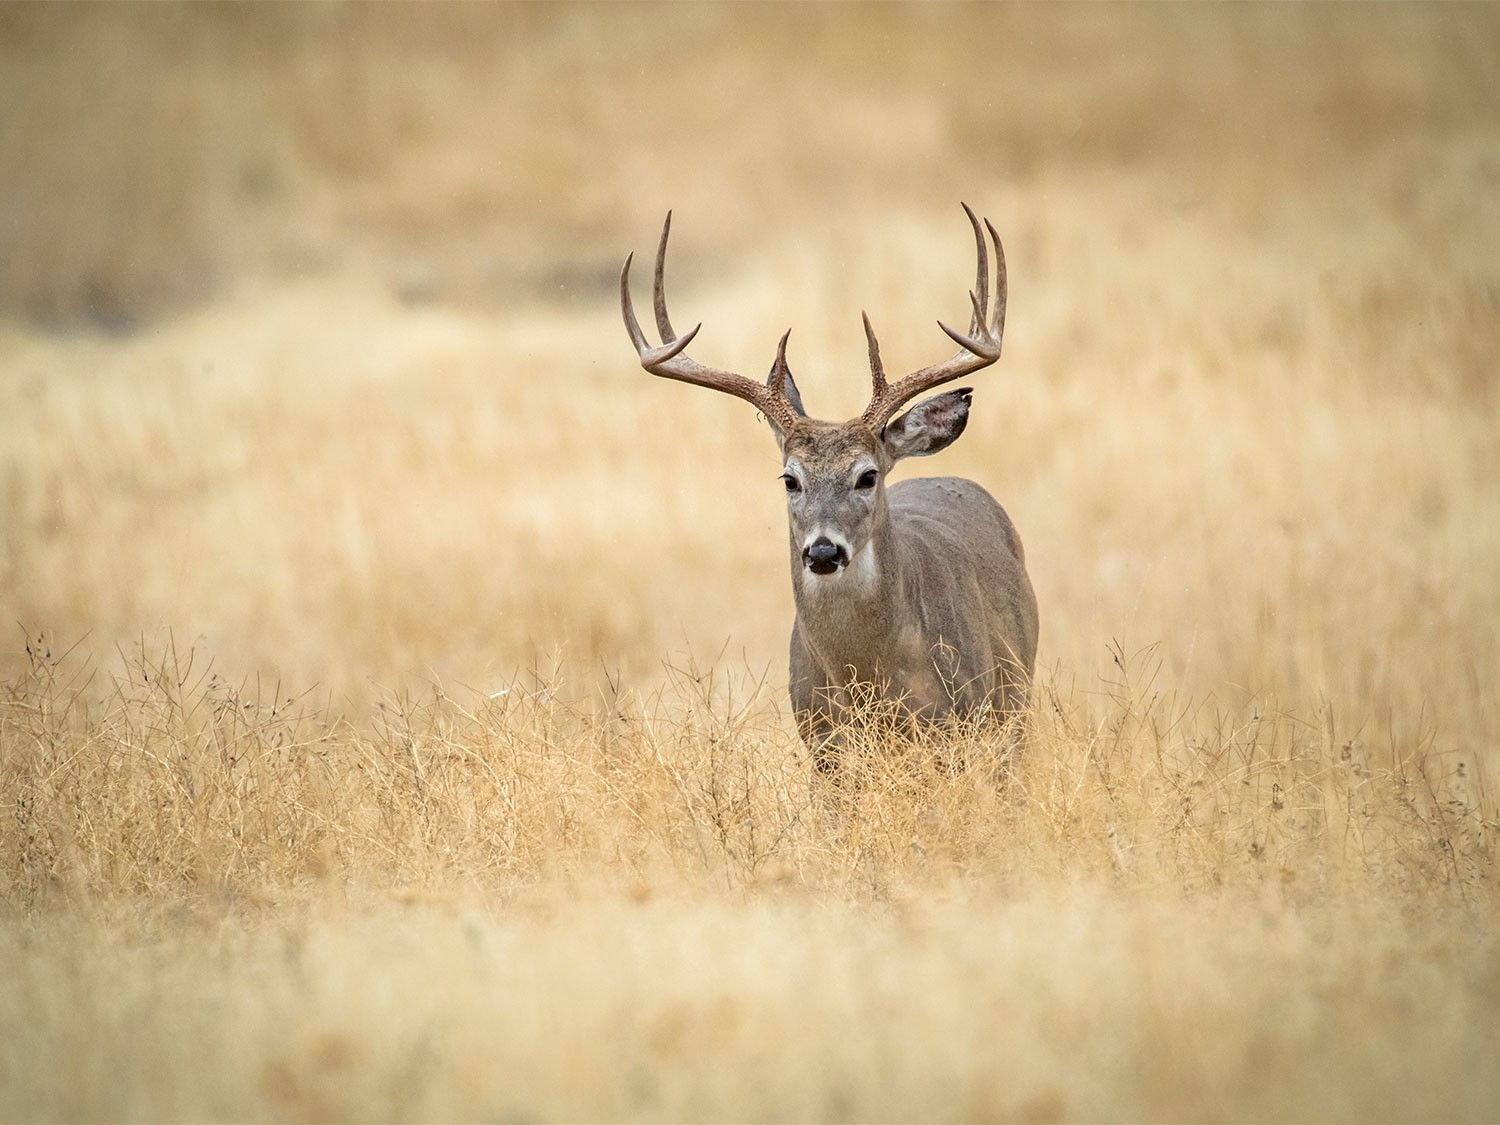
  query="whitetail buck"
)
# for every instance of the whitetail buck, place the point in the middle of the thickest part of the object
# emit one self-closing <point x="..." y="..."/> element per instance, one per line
<point x="916" y="595"/>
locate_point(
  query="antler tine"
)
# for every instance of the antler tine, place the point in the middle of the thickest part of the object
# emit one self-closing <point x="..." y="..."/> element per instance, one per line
<point x="877" y="369"/>
<point x="1002" y="286"/>
<point x="982" y="282"/>
<point x="980" y="348"/>
<point x="671" y="361"/>
<point x="778" y="369"/>
<point x="658" y="290"/>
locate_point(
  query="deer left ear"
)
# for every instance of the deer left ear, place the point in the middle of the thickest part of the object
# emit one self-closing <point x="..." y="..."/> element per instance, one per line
<point x="780" y="380"/>
<point x="933" y="424"/>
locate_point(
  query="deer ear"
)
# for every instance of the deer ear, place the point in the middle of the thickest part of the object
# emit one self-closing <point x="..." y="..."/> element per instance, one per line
<point x="790" y="392"/>
<point x="780" y="379"/>
<point x="933" y="424"/>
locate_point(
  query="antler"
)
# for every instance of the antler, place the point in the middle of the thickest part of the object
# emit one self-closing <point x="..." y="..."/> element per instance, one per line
<point x="980" y="348"/>
<point x="671" y="360"/>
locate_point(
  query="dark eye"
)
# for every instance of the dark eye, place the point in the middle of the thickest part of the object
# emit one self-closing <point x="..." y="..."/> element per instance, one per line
<point x="790" y="482"/>
<point x="867" y="479"/>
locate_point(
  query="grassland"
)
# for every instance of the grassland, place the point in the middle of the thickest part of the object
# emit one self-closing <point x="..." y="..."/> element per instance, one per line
<point x="394" y="725"/>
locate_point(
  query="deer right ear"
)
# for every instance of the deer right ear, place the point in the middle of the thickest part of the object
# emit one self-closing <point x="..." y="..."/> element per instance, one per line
<point x="931" y="425"/>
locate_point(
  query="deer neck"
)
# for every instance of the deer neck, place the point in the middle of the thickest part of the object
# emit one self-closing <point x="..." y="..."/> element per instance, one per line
<point x="851" y="621"/>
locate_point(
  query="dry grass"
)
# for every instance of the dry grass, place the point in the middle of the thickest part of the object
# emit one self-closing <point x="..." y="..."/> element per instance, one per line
<point x="225" y="905"/>
<point x="371" y="746"/>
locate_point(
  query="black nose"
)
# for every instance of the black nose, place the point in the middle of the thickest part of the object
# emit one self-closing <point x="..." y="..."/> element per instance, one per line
<point x="824" y="557"/>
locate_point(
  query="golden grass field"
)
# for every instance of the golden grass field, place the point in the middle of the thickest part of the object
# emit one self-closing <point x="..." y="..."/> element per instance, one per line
<point x="393" y="720"/>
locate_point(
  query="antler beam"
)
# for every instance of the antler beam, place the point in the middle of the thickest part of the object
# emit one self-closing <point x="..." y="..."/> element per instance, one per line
<point x="671" y="361"/>
<point x="980" y="348"/>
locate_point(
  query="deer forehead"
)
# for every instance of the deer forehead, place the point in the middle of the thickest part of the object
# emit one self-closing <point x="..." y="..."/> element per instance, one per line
<point x="831" y="446"/>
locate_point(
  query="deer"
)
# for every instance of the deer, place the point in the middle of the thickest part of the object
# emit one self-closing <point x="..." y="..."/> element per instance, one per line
<point x="916" y="594"/>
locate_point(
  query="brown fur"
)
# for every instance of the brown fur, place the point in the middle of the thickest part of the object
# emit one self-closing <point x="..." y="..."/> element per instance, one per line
<point x="917" y="598"/>
<point x="946" y="626"/>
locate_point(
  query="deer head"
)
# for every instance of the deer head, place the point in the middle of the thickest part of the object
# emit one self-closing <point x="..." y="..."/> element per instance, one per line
<point x="834" y="472"/>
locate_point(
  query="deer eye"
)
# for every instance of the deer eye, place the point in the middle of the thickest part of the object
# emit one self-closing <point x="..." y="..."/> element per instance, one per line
<point x="867" y="480"/>
<point x="790" y="482"/>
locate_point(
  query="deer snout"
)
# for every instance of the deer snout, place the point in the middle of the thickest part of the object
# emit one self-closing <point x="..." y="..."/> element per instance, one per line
<point x="824" y="556"/>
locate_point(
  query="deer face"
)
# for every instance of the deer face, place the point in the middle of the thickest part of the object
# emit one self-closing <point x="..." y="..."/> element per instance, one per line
<point x="834" y="475"/>
<point x="834" y="478"/>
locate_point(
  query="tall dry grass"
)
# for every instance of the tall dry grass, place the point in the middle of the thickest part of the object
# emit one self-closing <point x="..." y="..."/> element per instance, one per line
<point x="227" y="904"/>
<point x="395" y="725"/>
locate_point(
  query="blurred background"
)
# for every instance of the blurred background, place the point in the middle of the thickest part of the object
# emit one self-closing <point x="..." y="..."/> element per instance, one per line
<point x="490" y="155"/>
<point x="310" y="349"/>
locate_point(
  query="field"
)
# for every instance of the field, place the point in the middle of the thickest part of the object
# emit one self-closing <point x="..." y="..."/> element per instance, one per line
<point x="393" y="724"/>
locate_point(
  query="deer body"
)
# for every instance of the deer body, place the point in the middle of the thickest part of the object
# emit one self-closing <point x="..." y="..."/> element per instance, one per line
<point x="916" y="593"/>
<point x="942" y="616"/>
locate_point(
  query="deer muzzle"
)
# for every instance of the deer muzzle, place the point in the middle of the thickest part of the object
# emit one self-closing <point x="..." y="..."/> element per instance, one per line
<point x="824" y="556"/>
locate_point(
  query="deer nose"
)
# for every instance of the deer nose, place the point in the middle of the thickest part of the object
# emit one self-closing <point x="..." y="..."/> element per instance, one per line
<point x="824" y="556"/>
